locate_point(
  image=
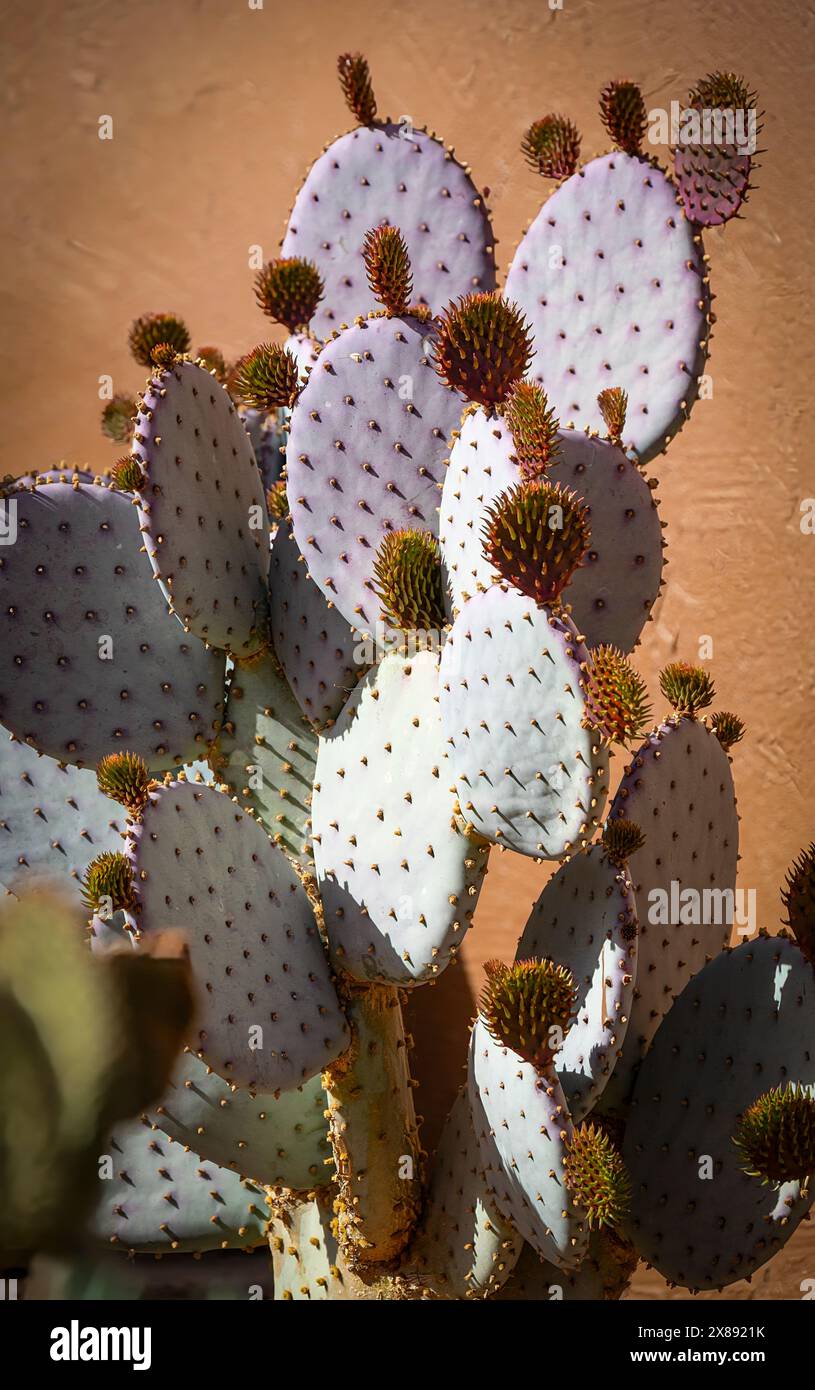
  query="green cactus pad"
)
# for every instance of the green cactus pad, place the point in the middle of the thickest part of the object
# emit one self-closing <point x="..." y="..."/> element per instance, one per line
<point x="409" y="581"/>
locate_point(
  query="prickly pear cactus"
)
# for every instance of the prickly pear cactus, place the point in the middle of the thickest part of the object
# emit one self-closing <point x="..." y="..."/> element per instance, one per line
<point x="353" y="613"/>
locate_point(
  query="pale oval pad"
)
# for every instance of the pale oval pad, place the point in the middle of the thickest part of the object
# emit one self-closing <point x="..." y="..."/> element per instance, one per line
<point x="527" y="774"/>
<point x="202" y="865"/>
<point x="348" y="482"/>
<point x="463" y="1243"/>
<point x="713" y="182"/>
<point x="523" y="1127"/>
<point x="203" y="509"/>
<point x="53" y="820"/>
<point x="92" y="662"/>
<point x="585" y="919"/>
<point x="744" y="1025"/>
<point x="580" y="269"/>
<point x="679" y="791"/>
<point x="281" y="1140"/>
<point x="268" y="754"/>
<point x="403" y="176"/>
<point x="399" y="879"/>
<point x="611" y="594"/>
<point x="163" y="1197"/>
<point x="314" y="644"/>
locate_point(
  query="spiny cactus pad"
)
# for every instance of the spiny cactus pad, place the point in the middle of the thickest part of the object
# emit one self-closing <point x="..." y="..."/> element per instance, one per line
<point x="158" y="1196"/>
<point x="623" y="114"/>
<point x="409" y="581"/>
<point x="268" y="753"/>
<point x="278" y="1139"/>
<point x="368" y="435"/>
<point x="388" y="172"/>
<point x="679" y="790"/>
<point x="53" y="819"/>
<point x="91" y="659"/>
<point x="523" y="1127"/>
<point x="741" y="1027"/>
<point x="712" y="173"/>
<point x="289" y="290"/>
<point x="314" y="644"/>
<point x="269" y="1015"/>
<point x="616" y="696"/>
<point x="596" y="1176"/>
<point x="585" y="919"/>
<point x="613" y="283"/>
<point x="307" y="1263"/>
<point x="527" y="773"/>
<point x="464" y="1243"/>
<point x="398" y="876"/>
<point x="203" y="511"/>
<point x="533" y="427"/>
<point x="483" y="347"/>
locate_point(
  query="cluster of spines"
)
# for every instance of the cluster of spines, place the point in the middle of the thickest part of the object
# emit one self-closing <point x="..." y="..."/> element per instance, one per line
<point x="535" y="536"/>
<point x="528" y="1007"/>
<point x="483" y="347"/>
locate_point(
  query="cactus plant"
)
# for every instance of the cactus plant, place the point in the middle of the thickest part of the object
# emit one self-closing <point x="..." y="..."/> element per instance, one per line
<point x="380" y="582"/>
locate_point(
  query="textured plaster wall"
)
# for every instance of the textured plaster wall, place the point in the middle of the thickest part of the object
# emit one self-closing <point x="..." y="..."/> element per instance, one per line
<point x="217" y="110"/>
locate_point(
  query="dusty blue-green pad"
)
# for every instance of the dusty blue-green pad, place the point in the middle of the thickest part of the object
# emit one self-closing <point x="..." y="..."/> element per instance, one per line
<point x="91" y="662"/>
<point x="157" y="1195"/>
<point x="269" y="1016"/>
<point x="268" y="754"/>
<point x="744" y="1025"/>
<point x="280" y="1140"/>
<point x="53" y="819"/>
<point x="203" y="508"/>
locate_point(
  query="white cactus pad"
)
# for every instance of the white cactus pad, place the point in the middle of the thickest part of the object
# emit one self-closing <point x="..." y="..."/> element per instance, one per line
<point x="91" y="662"/>
<point x="585" y="919"/>
<point x="277" y="1139"/>
<point x="523" y="1126"/>
<point x="679" y="790"/>
<point x="268" y="753"/>
<point x="160" y="1196"/>
<point x="527" y="774"/>
<point x="610" y="596"/>
<point x="268" y="1015"/>
<point x="307" y="1263"/>
<point x="401" y="175"/>
<point x="203" y="508"/>
<point x="399" y="878"/>
<point x="482" y="465"/>
<point x="464" y="1244"/>
<point x="368" y="436"/>
<point x="743" y="1026"/>
<point x="314" y="644"/>
<point x="53" y="819"/>
<point x="612" y="280"/>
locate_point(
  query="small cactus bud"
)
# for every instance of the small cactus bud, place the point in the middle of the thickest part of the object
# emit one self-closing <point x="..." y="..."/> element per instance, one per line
<point x="534" y="428"/>
<point x="535" y="535"/>
<point x="355" y="80"/>
<point x="117" y="418"/>
<point x="150" y="330"/>
<point x="613" y="403"/>
<point x="266" y="378"/>
<point x="387" y="265"/>
<point x="484" y="345"/>
<point x="164" y="355"/>
<point x="409" y="581"/>
<point x="596" y="1176"/>
<point x="552" y="146"/>
<point x="127" y="474"/>
<point x="528" y="1007"/>
<point x="687" y="688"/>
<point x="728" y="728"/>
<point x="798" y="897"/>
<point x="621" y="839"/>
<point x="776" y="1136"/>
<point x="624" y="116"/>
<point x="110" y="876"/>
<point x="289" y="290"/>
<point x="616" y="696"/>
<point x="124" y="778"/>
